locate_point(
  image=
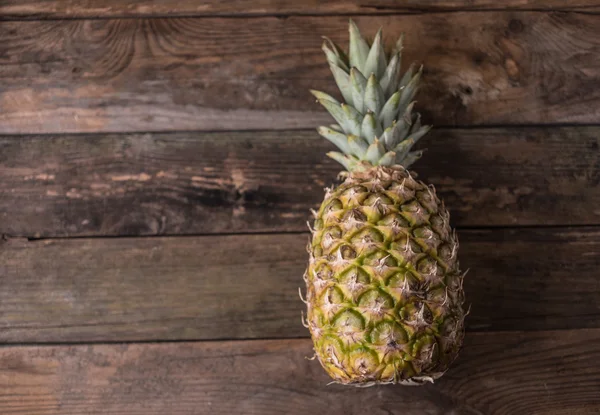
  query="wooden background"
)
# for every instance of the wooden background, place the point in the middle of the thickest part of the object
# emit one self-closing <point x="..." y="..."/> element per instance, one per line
<point x="158" y="159"/>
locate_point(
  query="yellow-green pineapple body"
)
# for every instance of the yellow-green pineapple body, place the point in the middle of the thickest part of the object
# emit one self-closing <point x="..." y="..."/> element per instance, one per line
<point x="384" y="290"/>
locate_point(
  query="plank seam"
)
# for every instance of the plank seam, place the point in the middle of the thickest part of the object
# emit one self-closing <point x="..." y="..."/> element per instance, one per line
<point x="380" y="11"/>
<point x="7" y="237"/>
<point x="483" y="127"/>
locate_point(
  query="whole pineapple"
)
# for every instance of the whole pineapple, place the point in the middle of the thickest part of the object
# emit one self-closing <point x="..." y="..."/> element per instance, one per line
<point x="384" y="290"/>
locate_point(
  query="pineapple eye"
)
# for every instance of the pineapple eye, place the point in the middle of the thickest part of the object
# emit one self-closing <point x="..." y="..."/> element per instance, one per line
<point x="364" y="362"/>
<point x="347" y="252"/>
<point x="377" y="199"/>
<point x="429" y="269"/>
<point x="394" y="220"/>
<point x="388" y="333"/>
<point x="376" y="301"/>
<point x="425" y="352"/>
<point x="349" y="319"/>
<point x="323" y="272"/>
<point x="333" y="206"/>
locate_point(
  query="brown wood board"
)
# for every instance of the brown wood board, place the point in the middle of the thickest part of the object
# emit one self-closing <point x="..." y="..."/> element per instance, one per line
<point x="481" y="68"/>
<point x="36" y="9"/>
<point x="555" y="372"/>
<point x="204" y="183"/>
<point x="246" y="286"/>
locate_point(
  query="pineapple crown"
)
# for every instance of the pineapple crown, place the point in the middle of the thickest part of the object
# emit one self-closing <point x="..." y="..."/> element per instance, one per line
<point x="376" y="125"/>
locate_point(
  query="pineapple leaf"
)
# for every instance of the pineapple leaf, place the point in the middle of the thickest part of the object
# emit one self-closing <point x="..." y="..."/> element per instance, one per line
<point x="416" y="136"/>
<point x="374" y="152"/>
<point x="403" y="125"/>
<point x="336" y="111"/>
<point x="399" y="45"/>
<point x="389" y="80"/>
<point x="353" y="118"/>
<point x="333" y="58"/>
<point x="370" y="127"/>
<point x="359" y="84"/>
<point x="417" y="123"/>
<point x="376" y="62"/>
<point x="390" y="110"/>
<point x="388" y="159"/>
<point x="319" y="95"/>
<point x="374" y="98"/>
<point x="409" y="159"/>
<point x="409" y="92"/>
<point x="407" y="76"/>
<point x="359" y="49"/>
<point x="358" y="146"/>
<point x="338" y="52"/>
<point x="336" y="127"/>
<point x="404" y="147"/>
<point x="388" y="136"/>
<point x="342" y="79"/>
<point x="344" y="160"/>
<point x="337" y="138"/>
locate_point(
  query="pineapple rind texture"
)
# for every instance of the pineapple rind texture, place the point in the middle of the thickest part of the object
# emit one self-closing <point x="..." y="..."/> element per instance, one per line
<point x="384" y="290"/>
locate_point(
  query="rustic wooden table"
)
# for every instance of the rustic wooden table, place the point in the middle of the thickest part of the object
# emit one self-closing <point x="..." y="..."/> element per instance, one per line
<point x="157" y="162"/>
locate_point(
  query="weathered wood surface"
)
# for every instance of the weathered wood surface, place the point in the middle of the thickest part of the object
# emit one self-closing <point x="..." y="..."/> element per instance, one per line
<point x="201" y="183"/>
<point x="16" y="9"/>
<point x="246" y="286"/>
<point x="496" y="374"/>
<point x="229" y="73"/>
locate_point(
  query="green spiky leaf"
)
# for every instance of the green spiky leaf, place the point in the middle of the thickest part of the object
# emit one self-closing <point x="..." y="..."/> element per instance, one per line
<point x="333" y="58"/>
<point x="388" y="159"/>
<point x="374" y="152"/>
<point x="342" y="79"/>
<point x="409" y="91"/>
<point x="340" y="55"/>
<point x="359" y="49"/>
<point x="389" y="112"/>
<point x="344" y="160"/>
<point x="376" y="61"/>
<point x="404" y="147"/>
<point x="359" y="84"/>
<point x="319" y="95"/>
<point x="374" y="98"/>
<point x="338" y="139"/>
<point x="353" y="119"/>
<point x="386" y="137"/>
<point x="416" y="123"/>
<point x="370" y="127"/>
<point x="409" y="159"/>
<point x="358" y="146"/>
<point x="389" y="80"/>
<point x="408" y="75"/>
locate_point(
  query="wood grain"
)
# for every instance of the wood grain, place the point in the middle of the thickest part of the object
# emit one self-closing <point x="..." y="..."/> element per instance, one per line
<point x="204" y="183"/>
<point x="550" y="373"/>
<point x="19" y="9"/>
<point x="482" y="68"/>
<point x="246" y="286"/>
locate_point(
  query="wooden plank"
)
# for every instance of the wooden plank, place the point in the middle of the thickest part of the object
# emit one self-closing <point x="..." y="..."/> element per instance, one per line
<point x="482" y="68"/>
<point x="246" y="286"/>
<point x="201" y="183"/>
<point x="19" y="9"/>
<point x="496" y="374"/>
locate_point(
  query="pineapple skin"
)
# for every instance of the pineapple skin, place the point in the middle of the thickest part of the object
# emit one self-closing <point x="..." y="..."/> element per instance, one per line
<point x="384" y="291"/>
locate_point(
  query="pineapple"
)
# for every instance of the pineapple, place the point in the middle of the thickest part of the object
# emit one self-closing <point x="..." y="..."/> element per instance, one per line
<point x="384" y="290"/>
